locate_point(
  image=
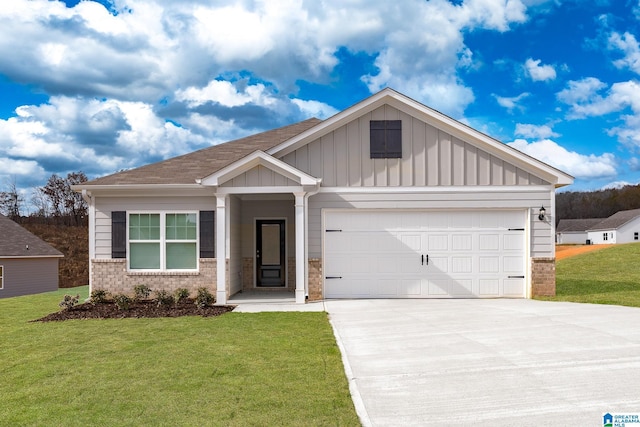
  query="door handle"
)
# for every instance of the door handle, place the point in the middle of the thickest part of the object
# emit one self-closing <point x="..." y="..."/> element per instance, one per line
<point x="427" y="259"/>
<point x="422" y="259"/>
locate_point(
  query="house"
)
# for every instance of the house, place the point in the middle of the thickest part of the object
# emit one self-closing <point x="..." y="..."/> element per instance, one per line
<point x="621" y="227"/>
<point x="574" y="231"/>
<point x="386" y="199"/>
<point x="28" y="265"/>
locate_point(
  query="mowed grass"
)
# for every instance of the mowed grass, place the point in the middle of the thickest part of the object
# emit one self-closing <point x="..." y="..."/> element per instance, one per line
<point x="606" y="276"/>
<point x="239" y="369"/>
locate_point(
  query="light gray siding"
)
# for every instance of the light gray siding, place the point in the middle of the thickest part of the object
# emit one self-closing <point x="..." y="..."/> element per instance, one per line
<point x="106" y="205"/>
<point x="25" y="276"/>
<point x="430" y="157"/>
<point x="542" y="237"/>
<point x="260" y="176"/>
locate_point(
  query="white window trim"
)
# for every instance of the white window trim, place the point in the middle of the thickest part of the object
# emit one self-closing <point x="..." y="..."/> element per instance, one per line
<point x="163" y="242"/>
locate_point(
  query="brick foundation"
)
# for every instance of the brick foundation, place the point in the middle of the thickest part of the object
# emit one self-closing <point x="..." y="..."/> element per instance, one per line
<point x="112" y="276"/>
<point x="543" y="277"/>
<point x="315" y="279"/>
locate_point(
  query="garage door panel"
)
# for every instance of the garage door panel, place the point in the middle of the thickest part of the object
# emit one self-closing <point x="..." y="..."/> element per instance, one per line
<point x="461" y="288"/>
<point x="461" y="264"/>
<point x="461" y="242"/>
<point x="489" y="242"/>
<point x="438" y="288"/>
<point x="513" y="287"/>
<point x="489" y="264"/>
<point x="383" y="254"/>
<point x="437" y="242"/>
<point x="489" y="287"/>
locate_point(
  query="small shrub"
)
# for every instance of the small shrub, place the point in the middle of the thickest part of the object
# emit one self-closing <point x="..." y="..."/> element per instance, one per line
<point x="122" y="301"/>
<point x="164" y="298"/>
<point x="68" y="302"/>
<point x="181" y="295"/>
<point x="141" y="292"/>
<point x="99" y="296"/>
<point x="204" y="298"/>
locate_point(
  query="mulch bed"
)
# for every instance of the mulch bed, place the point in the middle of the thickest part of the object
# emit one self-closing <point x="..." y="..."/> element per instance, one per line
<point x="139" y="309"/>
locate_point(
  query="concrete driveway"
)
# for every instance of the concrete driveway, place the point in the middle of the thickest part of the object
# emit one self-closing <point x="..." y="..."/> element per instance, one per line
<point x="488" y="362"/>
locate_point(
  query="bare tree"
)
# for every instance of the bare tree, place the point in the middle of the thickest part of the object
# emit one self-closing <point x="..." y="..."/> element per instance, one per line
<point x="65" y="204"/>
<point x="11" y="201"/>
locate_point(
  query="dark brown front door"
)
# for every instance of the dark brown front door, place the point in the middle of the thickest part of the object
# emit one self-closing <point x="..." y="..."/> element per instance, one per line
<point x="270" y="252"/>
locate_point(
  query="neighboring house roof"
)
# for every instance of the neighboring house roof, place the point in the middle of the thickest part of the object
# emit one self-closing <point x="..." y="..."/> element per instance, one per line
<point x="577" y="225"/>
<point x="616" y="220"/>
<point x="202" y="163"/>
<point x="16" y="242"/>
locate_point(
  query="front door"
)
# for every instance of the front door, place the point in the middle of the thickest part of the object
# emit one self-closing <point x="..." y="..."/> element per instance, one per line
<point x="270" y="253"/>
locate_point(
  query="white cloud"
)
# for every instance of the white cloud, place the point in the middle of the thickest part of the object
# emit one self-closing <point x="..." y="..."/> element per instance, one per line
<point x="535" y="131"/>
<point x="315" y="108"/>
<point x="537" y="72"/>
<point x="628" y="44"/>
<point x="579" y="165"/>
<point x="511" y="103"/>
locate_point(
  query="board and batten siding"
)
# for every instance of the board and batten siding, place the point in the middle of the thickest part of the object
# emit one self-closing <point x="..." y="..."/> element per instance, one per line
<point x="430" y="157"/>
<point x="105" y="205"/>
<point x="260" y="176"/>
<point x="541" y="241"/>
<point x="26" y="276"/>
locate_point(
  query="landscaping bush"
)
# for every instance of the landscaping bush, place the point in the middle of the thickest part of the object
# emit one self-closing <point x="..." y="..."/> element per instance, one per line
<point x="122" y="301"/>
<point x="181" y="295"/>
<point x="164" y="298"/>
<point x="99" y="296"/>
<point x="141" y="292"/>
<point x="68" y="302"/>
<point x="204" y="298"/>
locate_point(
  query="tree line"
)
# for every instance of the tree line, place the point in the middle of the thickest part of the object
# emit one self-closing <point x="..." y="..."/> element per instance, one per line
<point x="597" y="204"/>
<point x="55" y="202"/>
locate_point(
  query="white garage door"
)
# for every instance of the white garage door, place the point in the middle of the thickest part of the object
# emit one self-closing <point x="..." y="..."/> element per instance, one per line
<point x="424" y="254"/>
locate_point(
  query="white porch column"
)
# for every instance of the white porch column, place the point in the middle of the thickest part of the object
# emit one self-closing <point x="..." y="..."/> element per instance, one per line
<point x="221" y="250"/>
<point x="300" y="245"/>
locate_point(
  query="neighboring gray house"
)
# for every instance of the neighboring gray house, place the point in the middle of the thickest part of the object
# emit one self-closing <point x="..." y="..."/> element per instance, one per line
<point x="574" y="231"/>
<point x="386" y="199"/>
<point x="28" y="265"/>
<point x="621" y="227"/>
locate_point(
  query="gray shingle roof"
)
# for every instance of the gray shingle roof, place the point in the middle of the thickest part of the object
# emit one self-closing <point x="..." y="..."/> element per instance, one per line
<point x="187" y="168"/>
<point x="577" y="225"/>
<point x="14" y="241"/>
<point x="616" y="220"/>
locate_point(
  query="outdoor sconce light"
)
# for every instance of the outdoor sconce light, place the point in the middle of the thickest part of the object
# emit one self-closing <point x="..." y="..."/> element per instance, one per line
<point x="541" y="213"/>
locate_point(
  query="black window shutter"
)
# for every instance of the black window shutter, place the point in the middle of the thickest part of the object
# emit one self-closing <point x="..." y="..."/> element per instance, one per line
<point x="118" y="234"/>
<point x="377" y="146"/>
<point x="207" y="238"/>
<point x="394" y="139"/>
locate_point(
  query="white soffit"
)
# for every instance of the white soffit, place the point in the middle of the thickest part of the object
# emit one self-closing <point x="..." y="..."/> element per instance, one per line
<point x="258" y="158"/>
<point x="434" y="118"/>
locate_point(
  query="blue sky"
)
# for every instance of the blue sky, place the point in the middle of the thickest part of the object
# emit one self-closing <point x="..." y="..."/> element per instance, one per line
<point x="104" y="86"/>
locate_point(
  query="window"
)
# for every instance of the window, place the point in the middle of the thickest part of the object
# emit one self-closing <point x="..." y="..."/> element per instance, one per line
<point x="635" y="236"/>
<point x="385" y="139"/>
<point x="1" y="277"/>
<point x="605" y="236"/>
<point x="166" y="241"/>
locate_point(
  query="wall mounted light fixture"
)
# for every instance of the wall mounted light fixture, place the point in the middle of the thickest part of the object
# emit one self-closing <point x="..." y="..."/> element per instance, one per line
<point x="541" y="213"/>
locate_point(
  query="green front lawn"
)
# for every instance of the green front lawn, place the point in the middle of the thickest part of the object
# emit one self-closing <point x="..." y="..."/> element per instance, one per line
<point x="606" y="276"/>
<point x="237" y="369"/>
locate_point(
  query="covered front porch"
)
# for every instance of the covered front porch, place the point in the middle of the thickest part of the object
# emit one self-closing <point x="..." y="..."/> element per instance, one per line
<point x="261" y="228"/>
